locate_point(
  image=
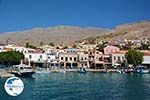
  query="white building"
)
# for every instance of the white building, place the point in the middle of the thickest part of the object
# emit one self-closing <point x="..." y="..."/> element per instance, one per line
<point x="83" y="59"/>
<point x="36" y="57"/>
<point x="117" y="58"/>
<point x="68" y="60"/>
<point x="146" y="59"/>
<point x="53" y="59"/>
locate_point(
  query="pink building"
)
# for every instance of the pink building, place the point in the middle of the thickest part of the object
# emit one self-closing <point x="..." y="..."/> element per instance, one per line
<point x="111" y="49"/>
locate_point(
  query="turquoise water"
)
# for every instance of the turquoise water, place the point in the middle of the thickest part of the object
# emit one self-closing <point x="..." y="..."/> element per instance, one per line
<point x="90" y="86"/>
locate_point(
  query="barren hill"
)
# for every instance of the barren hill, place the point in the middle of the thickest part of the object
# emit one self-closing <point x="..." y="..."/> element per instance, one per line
<point x="69" y="34"/>
<point x="57" y="35"/>
<point x="138" y="30"/>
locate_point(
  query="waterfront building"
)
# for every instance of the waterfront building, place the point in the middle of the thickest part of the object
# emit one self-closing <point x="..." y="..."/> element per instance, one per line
<point x="83" y="59"/>
<point x="91" y="60"/>
<point x="146" y="59"/>
<point x="98" y="59"/>
<point x="117" y="58"/>
<point x="68" y="60"/>
<point x="36" y="58"/>
<point x="53" y="59"/>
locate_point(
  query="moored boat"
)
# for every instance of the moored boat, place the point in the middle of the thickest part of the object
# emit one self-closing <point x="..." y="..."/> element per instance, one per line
<point x="129" y="71"/>
<point x="141" y="70"/>
<point x="22" y="70"/>
<point x="82" y="70"/>
<point x="42" y="71"/>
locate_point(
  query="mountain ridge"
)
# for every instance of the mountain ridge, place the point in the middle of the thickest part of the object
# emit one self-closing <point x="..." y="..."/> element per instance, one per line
<point x="66" y="35"/>
<point x="128" y="31"/>
<point x="58" y="35"/>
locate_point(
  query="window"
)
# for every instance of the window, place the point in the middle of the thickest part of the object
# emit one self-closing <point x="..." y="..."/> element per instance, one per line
<point x="122" y="58"/>
<point x="114" y="57"/>
<point x="40" y="56"/>
<point x="62" y="58"/>
<point x="66" y="58"/>
<point x="119" y="59"/>
<point x="82" y="58"/>
<point x="100" y="59"/>
<point x="75" y="58"/>
<point x="85" y="58"/>
<point x="70" y="58"/>
<point x="30" y="56"/>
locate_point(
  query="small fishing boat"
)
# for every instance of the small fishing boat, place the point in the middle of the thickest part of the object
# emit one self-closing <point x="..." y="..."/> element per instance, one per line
<point x="119" y="71"/>
<point x="129" y="71"/>
<point x="141" y="70"/>
<point x="42" y="71"/>
<point x="104" y="70"/>
<point x="82" y="70"/>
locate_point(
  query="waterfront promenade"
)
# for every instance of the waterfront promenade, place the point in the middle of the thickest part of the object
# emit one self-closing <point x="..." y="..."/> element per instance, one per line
<point x="5" y="73"/>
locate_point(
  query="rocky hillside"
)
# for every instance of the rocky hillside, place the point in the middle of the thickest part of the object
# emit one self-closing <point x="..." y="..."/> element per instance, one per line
<point x="69" y="34"/>
<point x="138" y="30"/>
<point x="57" y="35"/>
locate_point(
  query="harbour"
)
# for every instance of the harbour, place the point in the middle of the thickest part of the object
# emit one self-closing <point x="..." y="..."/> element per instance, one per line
<point x="90" y="86"/>
<point x="8" y="72"/>
<point x="75" y="50"/>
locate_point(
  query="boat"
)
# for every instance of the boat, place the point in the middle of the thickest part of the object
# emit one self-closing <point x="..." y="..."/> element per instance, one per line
<point x="82" y="70"/>
<point x="129" y="71"/>
<point x="104" y="70"/>
<point x="141" y="70"/>
<point x="42" y="71"/>
<point x="119" y="71"/>
<point x="22" y="70"/>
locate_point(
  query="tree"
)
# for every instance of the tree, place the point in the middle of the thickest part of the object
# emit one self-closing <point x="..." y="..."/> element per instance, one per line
<point x="51" y="44"/>
<point x="41" y="43"/>
<point x="134" y="57"/>
<point x="30" y="46"/>
<point x="91" y="40"/>
<point x="102" y="46"/>
<point x="74" y="46"/>
<point x="66" y="47"/>
<point x="27" y="44"/>
<point x="144" y="46"/>
<point x="11" y="57"/>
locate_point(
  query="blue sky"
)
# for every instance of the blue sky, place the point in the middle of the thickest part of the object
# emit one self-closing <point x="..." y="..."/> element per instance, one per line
<point x="16" y="15"/>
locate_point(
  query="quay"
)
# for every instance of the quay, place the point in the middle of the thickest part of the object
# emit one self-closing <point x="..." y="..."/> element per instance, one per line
<point x="100" y="70"/>
<point x="5" y="74"/>
<point x="88" y="70"/>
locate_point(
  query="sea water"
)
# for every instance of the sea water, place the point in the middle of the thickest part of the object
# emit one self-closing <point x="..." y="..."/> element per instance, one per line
<point x="89" y="86"/>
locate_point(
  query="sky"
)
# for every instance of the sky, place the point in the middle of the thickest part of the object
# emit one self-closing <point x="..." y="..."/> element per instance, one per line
<point x="17" y="15"/>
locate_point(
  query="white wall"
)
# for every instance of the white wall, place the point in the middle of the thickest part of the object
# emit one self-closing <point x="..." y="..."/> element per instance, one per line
<point x="146" y="60"/>
<point x="36" y="57"/>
